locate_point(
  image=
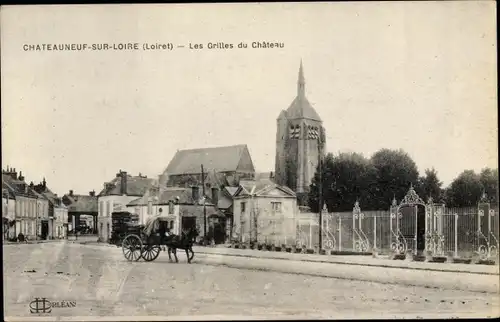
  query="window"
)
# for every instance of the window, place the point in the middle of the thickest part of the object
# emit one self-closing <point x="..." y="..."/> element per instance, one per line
<point x="108" y="209"/>
<point x="170" y="208"/>
<point x="243" y="207"/>
<point x="276" y="206"/>
<point x="101" y="208"/>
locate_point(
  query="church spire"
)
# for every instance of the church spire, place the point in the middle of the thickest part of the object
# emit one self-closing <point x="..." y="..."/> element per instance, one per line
<point x="301" y="83"/>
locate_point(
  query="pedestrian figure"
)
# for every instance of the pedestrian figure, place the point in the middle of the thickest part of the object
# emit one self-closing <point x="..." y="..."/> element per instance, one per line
<point x="21" y="239"/>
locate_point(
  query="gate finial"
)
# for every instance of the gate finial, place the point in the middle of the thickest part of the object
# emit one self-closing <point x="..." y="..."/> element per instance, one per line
<point x="484" y="197"/>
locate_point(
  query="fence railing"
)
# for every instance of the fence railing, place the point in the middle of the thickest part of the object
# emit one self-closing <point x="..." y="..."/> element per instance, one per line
<point x="460" y="232"/>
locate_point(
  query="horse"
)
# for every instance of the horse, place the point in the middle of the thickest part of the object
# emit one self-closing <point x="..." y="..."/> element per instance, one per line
<point x="185" y="241"/>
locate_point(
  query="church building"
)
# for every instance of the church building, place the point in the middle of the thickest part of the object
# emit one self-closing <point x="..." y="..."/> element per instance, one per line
<point x="300" y="140"/>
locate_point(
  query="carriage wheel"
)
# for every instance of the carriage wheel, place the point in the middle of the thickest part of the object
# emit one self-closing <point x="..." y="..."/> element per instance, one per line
<point x="150" y="252"/>
<point x="132" y="246"/>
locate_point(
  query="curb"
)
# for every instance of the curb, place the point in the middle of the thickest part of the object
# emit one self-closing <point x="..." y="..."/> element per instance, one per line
<point x="340" y="262"/>
<point x="374" y="254"/>
<point x="418" y="278"/>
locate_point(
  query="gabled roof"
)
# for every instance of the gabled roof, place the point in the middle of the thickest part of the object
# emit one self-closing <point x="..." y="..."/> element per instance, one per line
<point x="83" y="203"/>
<point x="7" y="191"/>
<point x="226" y="197"/>
<point x="220" y="159"/>
<point x="197" y="211"/>
<point x="185" y="196"/>
<point x="47" y="194"/>
<point x="136" y="186"/>
<point x="260" y="187"/>
<point x="231" y="190"/>
<point x="18" y="187"/>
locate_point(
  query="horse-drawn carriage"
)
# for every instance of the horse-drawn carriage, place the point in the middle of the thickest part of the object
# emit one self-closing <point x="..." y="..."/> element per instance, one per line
<point x="147" y="241"/>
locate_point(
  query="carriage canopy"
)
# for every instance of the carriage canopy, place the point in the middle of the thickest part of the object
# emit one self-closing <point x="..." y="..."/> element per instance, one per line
<point x="153" y="223"/>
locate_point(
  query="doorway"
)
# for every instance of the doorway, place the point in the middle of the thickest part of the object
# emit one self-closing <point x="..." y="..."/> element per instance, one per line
<point x="420" y="228"/>
<point x="188" y="223"/>
<point x="45" y="229"/>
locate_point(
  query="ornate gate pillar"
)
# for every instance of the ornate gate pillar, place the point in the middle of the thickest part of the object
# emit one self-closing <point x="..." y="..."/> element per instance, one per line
<point x="487" y="242"/>
<point x="359" y="239"/>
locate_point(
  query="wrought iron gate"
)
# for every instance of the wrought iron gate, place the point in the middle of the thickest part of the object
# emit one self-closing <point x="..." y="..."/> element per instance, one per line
<point x="329" y="229"/>
<point x="404" y="223"/>
<point x="434" y="228"/>
<point x="359" y="240"/>
<point x="488" y="243"/>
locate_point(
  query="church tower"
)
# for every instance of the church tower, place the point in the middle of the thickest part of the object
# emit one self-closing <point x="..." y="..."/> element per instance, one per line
<point x="300" y="141"/>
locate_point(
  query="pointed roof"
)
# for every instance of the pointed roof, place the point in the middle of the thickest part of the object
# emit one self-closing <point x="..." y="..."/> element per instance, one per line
<point x="260" y="187"/>
<point x="300" y="107"/>
<point x="219" y="159"/>
<point x="301" y="83"/>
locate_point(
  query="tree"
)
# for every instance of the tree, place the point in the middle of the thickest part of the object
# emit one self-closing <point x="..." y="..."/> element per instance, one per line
<point x="346" y="178"/>
<point x="465" y="190"/>
<point x="489" y="181"/>
<point x="430" y="186"/>
<point x="313" y="195"/>
<point x="395" y="171"/>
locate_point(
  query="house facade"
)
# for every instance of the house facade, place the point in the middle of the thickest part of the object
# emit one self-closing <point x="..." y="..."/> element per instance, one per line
<point x="49" y="222"/>
<point x="222" y="166"/>
<point x="8" y="213"/>
<point x="225" y="207"/>
<point x="116" y="195"/>
<point x="165" y="203"/>
<point x="31" y="208"/>
<point x="265" y="212"/>
<point x="183" y="207"/>
<point x="60" y="222"/>
<point x="78" y="206"/>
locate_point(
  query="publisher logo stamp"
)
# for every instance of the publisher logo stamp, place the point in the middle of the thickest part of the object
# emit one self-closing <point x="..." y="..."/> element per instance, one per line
<point x="44" y="306"/>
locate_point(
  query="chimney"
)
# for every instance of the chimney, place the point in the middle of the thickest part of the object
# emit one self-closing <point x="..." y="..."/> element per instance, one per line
<point x="123" y="183"/>
<point x="215" y="196"/>
<point x="71" y="193"/>
<point x="21" y="178"/>
<point x="32" y="184"/>
<point x="196" y="194"/>
<point x="92" y="193"/>
<point x="44" y="183"/>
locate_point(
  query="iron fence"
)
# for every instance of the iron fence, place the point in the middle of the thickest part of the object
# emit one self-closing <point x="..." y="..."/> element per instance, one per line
<point x="407" y="227"/>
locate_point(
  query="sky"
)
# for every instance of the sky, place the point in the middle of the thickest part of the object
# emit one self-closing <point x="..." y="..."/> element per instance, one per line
<point x="420" y="76"/>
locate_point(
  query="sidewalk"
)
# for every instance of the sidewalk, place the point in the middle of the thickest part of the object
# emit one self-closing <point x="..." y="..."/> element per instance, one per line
<point x="352" y="260"/>
<point x="34" y="242"/>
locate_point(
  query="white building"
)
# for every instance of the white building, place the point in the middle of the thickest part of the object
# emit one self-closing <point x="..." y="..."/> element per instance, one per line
<point x="60" y="221"/>
<point x="265" y="212"/>
<point x="116" y="195"/>
<point x="165" y="203"/>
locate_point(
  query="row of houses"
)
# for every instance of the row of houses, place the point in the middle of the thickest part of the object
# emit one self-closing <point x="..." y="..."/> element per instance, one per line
<point x="216" y="186"/>
<point x="32" y="210"/>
